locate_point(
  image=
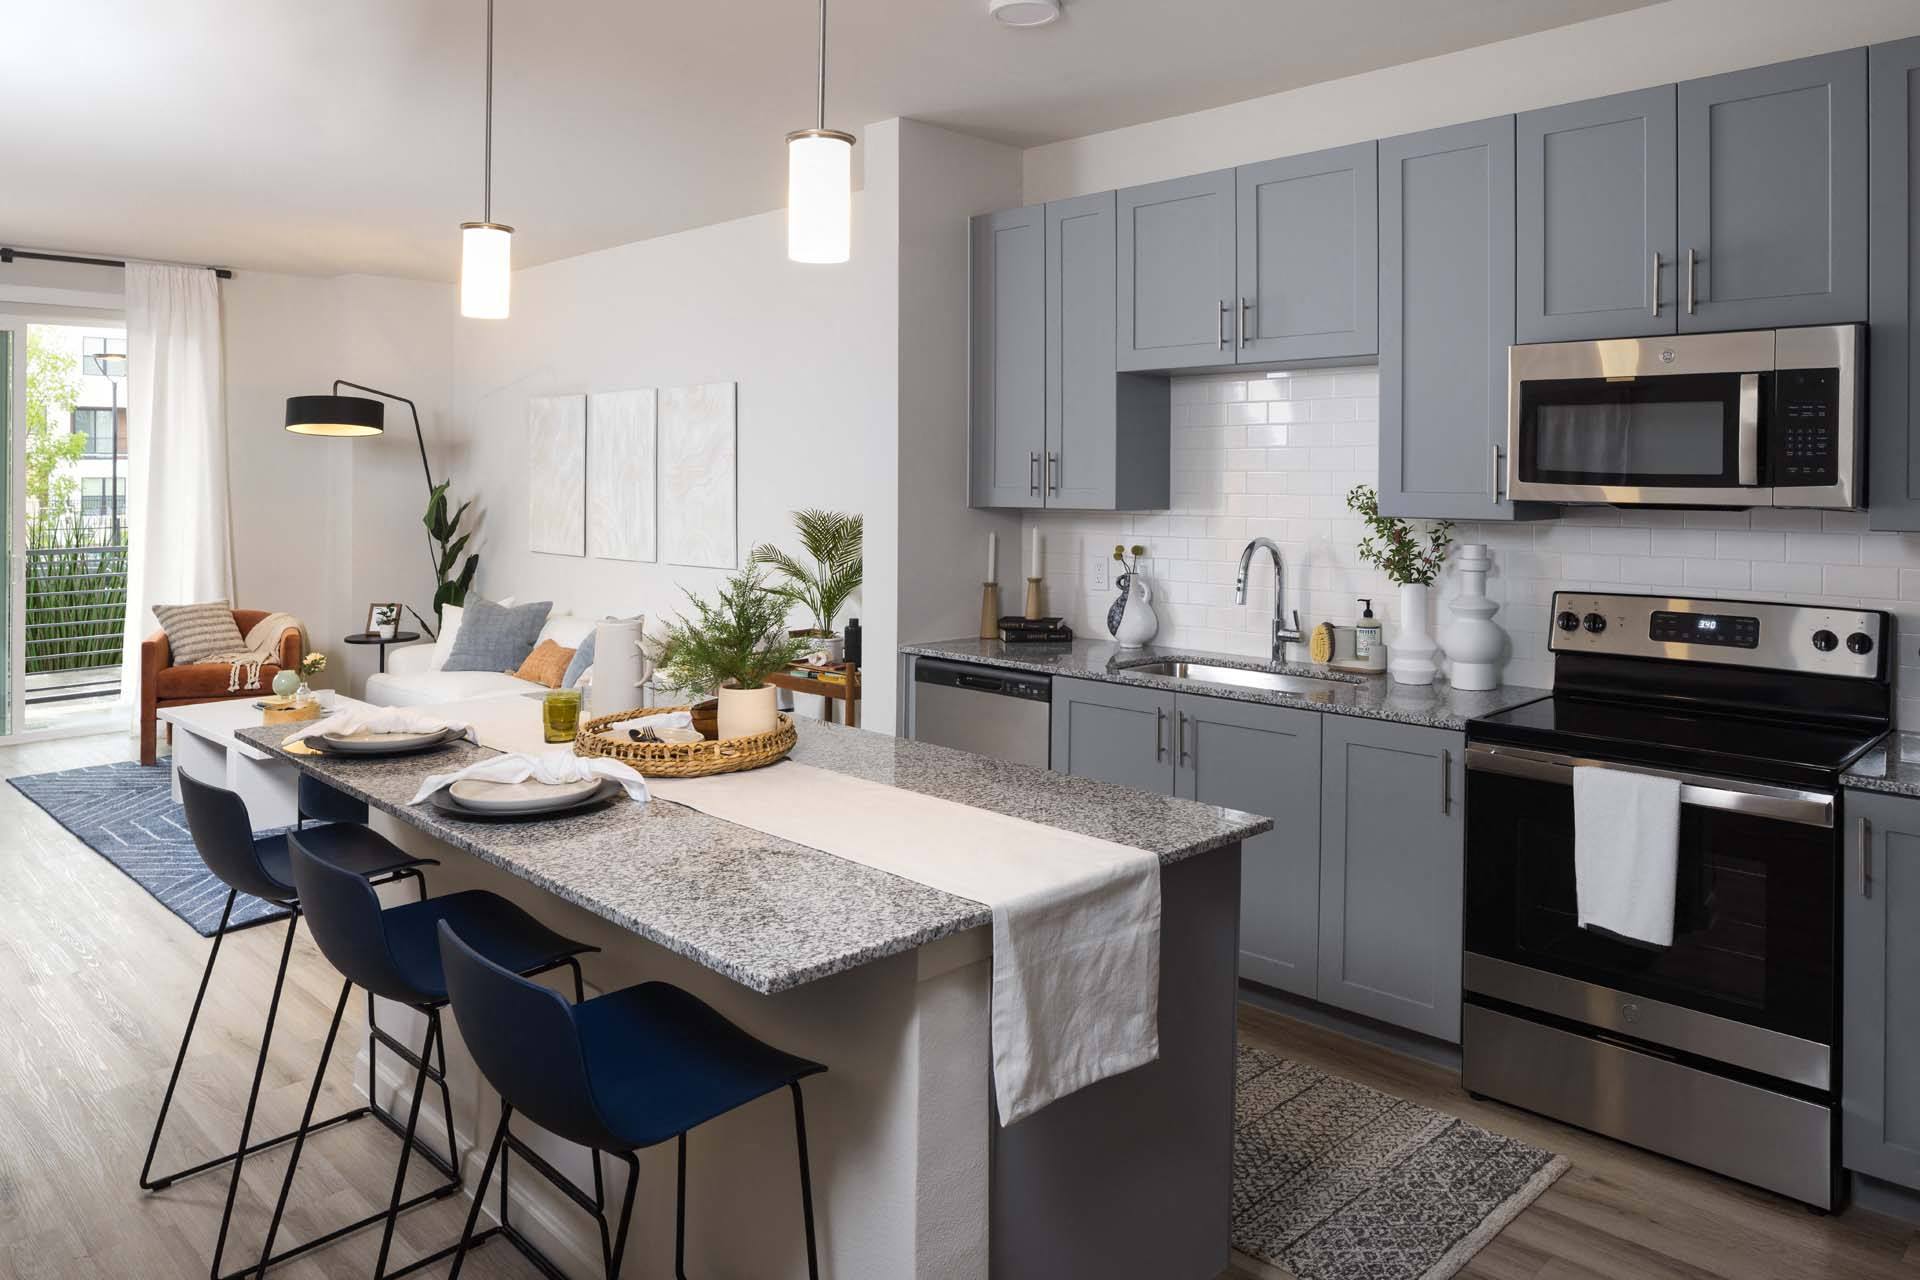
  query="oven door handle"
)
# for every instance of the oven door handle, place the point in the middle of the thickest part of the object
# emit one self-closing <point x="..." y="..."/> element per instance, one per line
<point x="1783" y="804"/>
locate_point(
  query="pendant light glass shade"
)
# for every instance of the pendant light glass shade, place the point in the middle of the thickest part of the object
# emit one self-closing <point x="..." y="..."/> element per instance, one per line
<point x="819" y="195"/>
<point x="486" y="270"/>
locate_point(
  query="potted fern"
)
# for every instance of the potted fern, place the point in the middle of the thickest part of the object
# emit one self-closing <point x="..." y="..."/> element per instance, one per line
<point x="729" y="647"/>
<point x="831" y="539"/>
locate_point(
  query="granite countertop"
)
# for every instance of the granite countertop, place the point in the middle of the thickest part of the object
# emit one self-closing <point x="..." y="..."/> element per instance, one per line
<point x="1376" y="697"/>
<point x="765" y="912"/>
<point x="1893" y="766"/>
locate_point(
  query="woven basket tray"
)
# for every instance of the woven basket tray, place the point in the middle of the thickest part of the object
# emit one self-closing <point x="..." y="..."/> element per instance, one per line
<point x="684" y="759"/>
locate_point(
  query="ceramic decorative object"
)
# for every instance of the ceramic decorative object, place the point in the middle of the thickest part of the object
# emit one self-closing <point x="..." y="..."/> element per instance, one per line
<point x="302" y="695"/>
<point x="1119" y="605"/>
<point x="1138" y="625"/>
<point x="746" y="712"/>
<point x="285" y="683"/>
<point x="1472" y="641"/>
<point x="1410" y="653"/>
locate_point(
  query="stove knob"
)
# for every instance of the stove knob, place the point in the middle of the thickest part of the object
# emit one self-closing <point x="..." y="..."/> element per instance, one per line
<point x="1860" y="642"/>
<point x="1825" y="641"/>
<point x="1596" y="623"/>
<point x="1567" y="621"/>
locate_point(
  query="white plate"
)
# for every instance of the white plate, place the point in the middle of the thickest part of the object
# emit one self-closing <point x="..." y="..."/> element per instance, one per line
<point x="367" y="740"/>
<point x="678" y="735"/>
<point x="519" y="797"/>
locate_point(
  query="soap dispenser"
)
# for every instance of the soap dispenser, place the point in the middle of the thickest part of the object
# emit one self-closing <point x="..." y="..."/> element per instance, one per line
<point x="1369" y="651"/>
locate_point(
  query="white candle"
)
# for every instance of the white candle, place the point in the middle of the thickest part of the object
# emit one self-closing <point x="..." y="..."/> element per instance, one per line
<point x="1036" y="554"/>
<point x="993" y="557"/>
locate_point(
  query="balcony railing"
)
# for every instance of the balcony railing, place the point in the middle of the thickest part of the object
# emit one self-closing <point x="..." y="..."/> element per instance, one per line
<point x="76" y="592"/>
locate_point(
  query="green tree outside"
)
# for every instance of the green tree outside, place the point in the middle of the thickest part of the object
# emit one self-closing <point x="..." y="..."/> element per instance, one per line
<point x="53" y="387"/>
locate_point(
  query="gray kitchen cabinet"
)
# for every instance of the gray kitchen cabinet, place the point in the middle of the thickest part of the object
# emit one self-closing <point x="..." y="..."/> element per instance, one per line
<point x="1107" y="442"/>
<point x="1392" y="863"/>
<point x="1176" y="273"/>
<point x="1308" y="256"/>
<point x="1266" y="760"/>
<point x="1893" y="333"/>
<point x="1880" y="1002"/>
<point x="1773" y="195"/>
<point x="1446" y="320"/>
<point x="1008" y="393"/>
<point x="1116" y="733"/>
<point x="1595" y="218"/>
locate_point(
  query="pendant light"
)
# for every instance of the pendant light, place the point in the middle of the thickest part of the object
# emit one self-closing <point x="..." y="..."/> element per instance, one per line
<point x="820" y="182"/>
<point x="486" y="247"/>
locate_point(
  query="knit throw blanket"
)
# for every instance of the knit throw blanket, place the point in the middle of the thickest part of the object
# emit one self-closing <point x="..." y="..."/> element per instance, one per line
<point x="263" y="647"/>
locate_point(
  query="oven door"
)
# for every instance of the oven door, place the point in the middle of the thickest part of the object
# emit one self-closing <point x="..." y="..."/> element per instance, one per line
<point x="1647" y="421"/>
<point x="1749" y="980"/>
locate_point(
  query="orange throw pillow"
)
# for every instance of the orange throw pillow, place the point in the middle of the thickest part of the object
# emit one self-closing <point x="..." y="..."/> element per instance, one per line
<point x="546" y="665"/>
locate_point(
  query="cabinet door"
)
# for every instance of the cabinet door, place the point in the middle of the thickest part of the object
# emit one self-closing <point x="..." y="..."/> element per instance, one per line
<point x="1595" y="218"/>
<point x="1446" y="319"/>
<point x="1880" y="1088"/>
<point x="1392" y="861"/>
<point x="1009" y="384"/>
<point x="1309" y="256"/>
<point x="1176" y="273"/>
<point x="1114" y="733"/>
<point x="1242" y="755"/>
<point x="1773" y="195"/>
<point x="1082" y="410"/>
<point x="1893" y="337"/>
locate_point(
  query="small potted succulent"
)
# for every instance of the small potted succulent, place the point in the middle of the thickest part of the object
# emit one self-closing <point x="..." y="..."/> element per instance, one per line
<point x="832" y="539"/>
<point x="729" y="647"/>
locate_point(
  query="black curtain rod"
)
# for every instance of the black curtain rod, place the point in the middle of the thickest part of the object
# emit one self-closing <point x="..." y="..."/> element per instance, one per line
<point x="8" y="255"/>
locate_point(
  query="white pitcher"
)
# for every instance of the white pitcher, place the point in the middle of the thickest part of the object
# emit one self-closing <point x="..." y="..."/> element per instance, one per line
<point x="1138" y="625"/>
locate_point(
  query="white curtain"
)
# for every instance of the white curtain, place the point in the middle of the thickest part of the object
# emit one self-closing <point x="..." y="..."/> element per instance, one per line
<point x="180" y="547"/>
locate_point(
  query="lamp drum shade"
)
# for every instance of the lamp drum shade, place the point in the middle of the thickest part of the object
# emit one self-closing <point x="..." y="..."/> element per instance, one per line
<point x="335" y="416"/>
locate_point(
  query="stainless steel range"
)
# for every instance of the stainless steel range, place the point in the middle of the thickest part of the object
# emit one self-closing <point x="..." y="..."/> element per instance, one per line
<point x="1722" y="1049"/>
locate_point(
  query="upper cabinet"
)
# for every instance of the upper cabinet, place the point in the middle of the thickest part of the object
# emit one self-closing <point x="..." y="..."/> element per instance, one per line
<point x="1773" y="195"/>
<point x="1892" y="335"/>
<point x="1177" y="277"/>
<point x="1594" y="219"/>
<point x="1446" y="320"/>
<point x="1008" y="403"/>
<point x="1309" y="257"/>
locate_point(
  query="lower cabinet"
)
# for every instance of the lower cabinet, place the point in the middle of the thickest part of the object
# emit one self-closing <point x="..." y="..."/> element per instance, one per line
<point x="1116" y="733"/>
<point x="1392" y="867"/>
<point x="1880" y="994"/>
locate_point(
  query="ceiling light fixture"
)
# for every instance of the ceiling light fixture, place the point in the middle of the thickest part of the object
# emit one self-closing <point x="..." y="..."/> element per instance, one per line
<point x="486" y="246"/>
<point x="1024" y="13"/>
<point x="820" y="182"/>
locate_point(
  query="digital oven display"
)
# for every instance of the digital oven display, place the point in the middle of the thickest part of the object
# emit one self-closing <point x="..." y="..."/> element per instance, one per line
<point x="1705" y="628"/>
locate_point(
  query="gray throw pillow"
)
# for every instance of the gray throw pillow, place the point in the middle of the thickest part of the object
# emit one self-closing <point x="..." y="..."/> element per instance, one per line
<point x="496" y="637"/>
<point x="197" y="632"/>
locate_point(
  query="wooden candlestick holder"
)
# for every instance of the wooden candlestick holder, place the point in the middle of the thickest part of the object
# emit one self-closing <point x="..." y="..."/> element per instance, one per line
<point x="1033" y="599"/>
<point x="989" y="611"/>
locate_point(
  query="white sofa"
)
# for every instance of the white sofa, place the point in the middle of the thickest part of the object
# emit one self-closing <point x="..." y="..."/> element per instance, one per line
<point x="411" y="680"/>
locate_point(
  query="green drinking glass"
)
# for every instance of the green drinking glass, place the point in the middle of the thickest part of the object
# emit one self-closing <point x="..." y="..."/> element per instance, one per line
<point x="560" y="714"/>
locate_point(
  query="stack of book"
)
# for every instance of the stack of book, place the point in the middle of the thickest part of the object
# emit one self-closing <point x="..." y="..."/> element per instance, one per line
<point x="1017" y="630"/>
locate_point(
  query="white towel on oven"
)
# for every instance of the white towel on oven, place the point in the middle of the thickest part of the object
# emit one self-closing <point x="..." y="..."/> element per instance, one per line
<point x="1626" y="852"/>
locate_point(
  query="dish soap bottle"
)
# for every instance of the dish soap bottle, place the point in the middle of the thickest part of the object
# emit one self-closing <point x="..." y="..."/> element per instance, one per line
<point x="1368" y="650"/>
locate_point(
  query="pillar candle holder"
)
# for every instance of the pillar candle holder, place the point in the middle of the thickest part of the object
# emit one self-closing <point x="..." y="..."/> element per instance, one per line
<point x="989" y="611"/>
<point x="1033" y="599"/>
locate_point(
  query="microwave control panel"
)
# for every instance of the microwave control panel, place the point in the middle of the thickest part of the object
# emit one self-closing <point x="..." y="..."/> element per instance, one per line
<point x="1745" y="633"/>
<point x="1805" y="432"/>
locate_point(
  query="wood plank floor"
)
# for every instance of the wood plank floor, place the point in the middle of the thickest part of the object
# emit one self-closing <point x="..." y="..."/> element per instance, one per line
<point x="95" y="979"/>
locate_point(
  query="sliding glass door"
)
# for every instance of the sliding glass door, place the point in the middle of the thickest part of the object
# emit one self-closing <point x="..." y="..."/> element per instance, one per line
<point x="12" y="412"/>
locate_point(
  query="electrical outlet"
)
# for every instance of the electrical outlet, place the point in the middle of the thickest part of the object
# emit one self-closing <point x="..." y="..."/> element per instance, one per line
<point x="1097" y="571"/>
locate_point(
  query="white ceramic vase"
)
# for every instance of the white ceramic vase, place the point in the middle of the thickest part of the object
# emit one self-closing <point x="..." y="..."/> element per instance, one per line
<point x="744" y="712"/>
<point x="1410" y="656"/>
<point x="1472" y="641"/>
<point x="1138" y="625"/>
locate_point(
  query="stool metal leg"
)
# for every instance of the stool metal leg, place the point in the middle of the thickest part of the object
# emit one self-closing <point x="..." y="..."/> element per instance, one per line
<point x="480" y="1191"/>
<point x="406" y="1145"/>
<point x="806" y="1180"/>
<point x="680" y="1214"/>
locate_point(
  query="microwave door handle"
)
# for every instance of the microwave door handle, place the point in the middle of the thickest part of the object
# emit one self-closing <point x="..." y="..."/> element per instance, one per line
<point x="1749" y="427"/>
<point x="1806" y="808"/>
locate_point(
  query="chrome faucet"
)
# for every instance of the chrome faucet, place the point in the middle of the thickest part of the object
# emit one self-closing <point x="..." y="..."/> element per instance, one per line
<point x="1282" y="633"/>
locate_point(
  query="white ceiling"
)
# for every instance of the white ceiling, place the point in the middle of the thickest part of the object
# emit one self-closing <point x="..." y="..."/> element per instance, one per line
<point x="345" y="135"/>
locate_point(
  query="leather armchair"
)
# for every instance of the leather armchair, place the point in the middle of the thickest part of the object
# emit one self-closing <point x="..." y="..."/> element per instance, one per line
<point x="162" y="684"/>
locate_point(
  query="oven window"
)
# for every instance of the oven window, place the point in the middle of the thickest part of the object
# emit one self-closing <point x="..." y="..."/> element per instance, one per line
<point x="1679" y="430"/>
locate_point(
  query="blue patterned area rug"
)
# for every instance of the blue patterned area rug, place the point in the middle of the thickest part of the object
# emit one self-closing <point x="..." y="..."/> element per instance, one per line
<point x="125" y="813"/>
<point x="1336" y="1181"/>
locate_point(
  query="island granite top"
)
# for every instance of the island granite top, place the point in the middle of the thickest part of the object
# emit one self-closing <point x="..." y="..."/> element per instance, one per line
<point x="1376" y="697"/>
<point x="1893" y="767"/>
<point x="766" y="912"/>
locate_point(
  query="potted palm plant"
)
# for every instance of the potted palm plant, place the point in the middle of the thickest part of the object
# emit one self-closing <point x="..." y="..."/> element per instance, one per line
<point x="729" y="647"/>
<point x="832" y="540"/>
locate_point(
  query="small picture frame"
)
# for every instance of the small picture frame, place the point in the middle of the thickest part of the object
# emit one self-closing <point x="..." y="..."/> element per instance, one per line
<point x="383" y="620"/>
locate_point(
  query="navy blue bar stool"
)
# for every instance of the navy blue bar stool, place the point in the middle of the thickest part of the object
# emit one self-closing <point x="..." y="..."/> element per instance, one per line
<point x="394" y="953"/>
<point x="223" y="836"/>
<point x="622" y="1071"/>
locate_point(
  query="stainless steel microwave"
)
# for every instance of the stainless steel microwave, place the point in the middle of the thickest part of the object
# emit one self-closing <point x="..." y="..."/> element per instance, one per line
<point x="1762" y="418"/>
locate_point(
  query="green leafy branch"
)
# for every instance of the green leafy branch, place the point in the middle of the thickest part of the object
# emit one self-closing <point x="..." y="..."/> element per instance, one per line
<point x="1393" y="546"/>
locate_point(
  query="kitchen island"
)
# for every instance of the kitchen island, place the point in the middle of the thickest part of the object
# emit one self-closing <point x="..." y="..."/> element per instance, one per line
<point x="887" y="982"/>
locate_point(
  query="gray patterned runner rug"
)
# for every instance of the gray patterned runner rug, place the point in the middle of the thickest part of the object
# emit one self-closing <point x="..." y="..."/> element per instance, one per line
<point x="1336" y="1181"/>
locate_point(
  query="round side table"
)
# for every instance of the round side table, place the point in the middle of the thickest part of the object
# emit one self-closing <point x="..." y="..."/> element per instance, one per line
<point x="370" y="637"/>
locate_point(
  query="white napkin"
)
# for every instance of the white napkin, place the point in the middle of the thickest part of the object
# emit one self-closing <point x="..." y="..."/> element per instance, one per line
<point x="554" y="768"/>
<point x="665" y="720"/>
<point x="379" y="720"/>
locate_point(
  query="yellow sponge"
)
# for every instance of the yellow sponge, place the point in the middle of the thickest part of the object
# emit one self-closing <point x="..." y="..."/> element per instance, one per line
<point x="1321" y="644"/>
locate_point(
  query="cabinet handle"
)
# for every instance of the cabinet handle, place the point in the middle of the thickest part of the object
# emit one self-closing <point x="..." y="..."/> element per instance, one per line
<point x="1656" y="283"/>
<point x="1690" y="265"/>
<point x="1159" y="733"/>
<point x="1866" y="859"/>
<point x="1053" y="472"/>
<point x="1223" y="324"/>
<point x="1446" y="781"/>
<point x="1033" y="473"/>
<point x="1181" y="731"/>
<point x="1493" y="476"/>
<point x="1246" y="335"/>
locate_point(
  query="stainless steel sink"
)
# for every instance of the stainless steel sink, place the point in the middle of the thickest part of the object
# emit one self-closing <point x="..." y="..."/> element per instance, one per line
<point x="1278" y="682"/>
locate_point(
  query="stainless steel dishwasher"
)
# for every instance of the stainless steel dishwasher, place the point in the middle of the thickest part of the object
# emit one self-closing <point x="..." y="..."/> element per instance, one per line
<point x="989" y="711"/>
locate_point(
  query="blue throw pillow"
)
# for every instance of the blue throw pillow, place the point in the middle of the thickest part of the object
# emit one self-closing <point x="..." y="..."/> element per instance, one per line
<point x="495" y="637"/>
